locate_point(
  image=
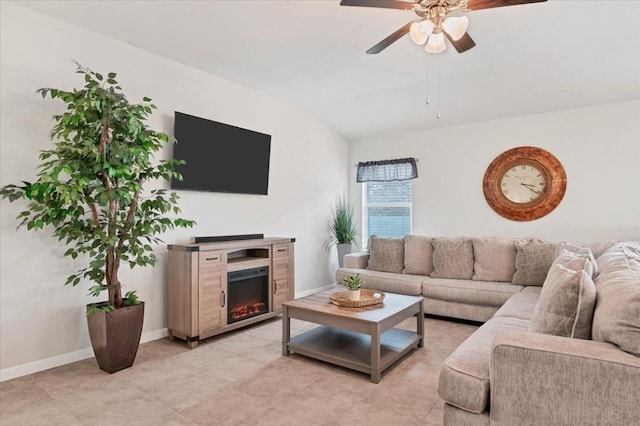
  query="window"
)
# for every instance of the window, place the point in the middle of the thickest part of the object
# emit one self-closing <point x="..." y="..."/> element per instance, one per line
<point x="387" y="209"/>
<point x="387" y="197"/>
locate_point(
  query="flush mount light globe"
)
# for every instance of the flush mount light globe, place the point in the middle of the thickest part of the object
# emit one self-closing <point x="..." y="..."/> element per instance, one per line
<point x="456" y="26"/>
<point x="436" y="43"/>
<point x="420" y="31"/>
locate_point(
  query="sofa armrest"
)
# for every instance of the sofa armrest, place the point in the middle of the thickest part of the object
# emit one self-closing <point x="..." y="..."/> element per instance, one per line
<point x="541" y="379"/>
<point x="358" y="260"/>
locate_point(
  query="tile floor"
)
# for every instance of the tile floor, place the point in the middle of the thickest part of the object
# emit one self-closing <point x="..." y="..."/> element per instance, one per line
<point x="239" y="378"/>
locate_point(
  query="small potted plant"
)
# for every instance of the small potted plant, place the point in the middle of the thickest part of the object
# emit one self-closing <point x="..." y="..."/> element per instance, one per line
<point x="343" y="228"/>
<point x="353" y="283"/>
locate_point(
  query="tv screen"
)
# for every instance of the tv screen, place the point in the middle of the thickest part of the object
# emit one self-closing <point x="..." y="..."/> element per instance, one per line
<point x="220" y="157"/>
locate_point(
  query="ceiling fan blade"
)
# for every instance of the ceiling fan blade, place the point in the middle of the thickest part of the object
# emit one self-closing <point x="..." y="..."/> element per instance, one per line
<point x="387" y="4"/>
<point x="389" y="40"/>
<point x="463" y="44"/>
<point x="488" y="4"/>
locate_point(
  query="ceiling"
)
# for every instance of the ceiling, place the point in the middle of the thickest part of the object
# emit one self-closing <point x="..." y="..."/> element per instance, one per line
<point x="311" y="54"/>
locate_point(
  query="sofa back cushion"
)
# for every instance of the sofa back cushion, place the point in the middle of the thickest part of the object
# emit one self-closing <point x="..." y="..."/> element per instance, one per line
<point x="494" y="259"/>
<point x="533" y="260"/>
<point x="386" y="254"/>
<point x="566" y="303"/>
<point x="418" y="255"/>
<point x="585" y="252"/>
<point x="576" y="261"/>
<point x="616" y="318"/>
<point x="452" y="258"/>
<point x="599" y="247"/>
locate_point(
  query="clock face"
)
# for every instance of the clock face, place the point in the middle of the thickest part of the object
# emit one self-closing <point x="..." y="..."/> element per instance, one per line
<point x="522" y="183"/>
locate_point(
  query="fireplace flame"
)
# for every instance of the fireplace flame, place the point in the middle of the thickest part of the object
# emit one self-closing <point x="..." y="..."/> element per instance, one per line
<point x="247" y="309"/>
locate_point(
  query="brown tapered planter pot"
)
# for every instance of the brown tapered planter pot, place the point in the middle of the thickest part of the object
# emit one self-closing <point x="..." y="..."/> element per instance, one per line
<point x="115" y="336"/>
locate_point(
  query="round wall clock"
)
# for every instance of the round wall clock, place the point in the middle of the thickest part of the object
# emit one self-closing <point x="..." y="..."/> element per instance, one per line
<point x="524" y="183"/>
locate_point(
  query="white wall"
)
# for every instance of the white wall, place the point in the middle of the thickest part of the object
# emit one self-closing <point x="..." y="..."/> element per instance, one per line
<point x="42" y="322"/>
<point x="599" y="148"/>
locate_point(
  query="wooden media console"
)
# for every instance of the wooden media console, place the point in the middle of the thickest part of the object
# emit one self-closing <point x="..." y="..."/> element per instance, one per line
<point x="199" y="287"/>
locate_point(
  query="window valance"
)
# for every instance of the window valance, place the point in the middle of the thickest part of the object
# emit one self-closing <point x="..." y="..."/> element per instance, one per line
<point x="387" y="170"/>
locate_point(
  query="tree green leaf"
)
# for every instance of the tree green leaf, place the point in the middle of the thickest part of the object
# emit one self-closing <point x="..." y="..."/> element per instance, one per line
<point x="84" y="190"/>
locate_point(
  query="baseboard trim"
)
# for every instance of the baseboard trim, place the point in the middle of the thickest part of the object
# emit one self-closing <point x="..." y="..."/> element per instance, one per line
<point x="68" y="358"/>
<point x="313" y="291"/>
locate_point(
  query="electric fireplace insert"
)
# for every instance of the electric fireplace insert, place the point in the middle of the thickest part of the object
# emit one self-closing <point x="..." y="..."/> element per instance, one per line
<point x="248" y="293"/>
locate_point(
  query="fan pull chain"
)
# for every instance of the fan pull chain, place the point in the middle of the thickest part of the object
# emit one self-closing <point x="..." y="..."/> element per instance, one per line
<point x="438" y="92"/>
<point x="427" y="98"/>
<point x="427" y="85"/>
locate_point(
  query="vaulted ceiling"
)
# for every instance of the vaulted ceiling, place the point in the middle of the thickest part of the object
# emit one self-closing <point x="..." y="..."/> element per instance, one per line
<point x="530" y="58"/>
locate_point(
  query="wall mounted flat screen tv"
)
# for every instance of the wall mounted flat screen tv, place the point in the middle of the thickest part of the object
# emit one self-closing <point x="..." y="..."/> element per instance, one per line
<point x="220" y="157"/>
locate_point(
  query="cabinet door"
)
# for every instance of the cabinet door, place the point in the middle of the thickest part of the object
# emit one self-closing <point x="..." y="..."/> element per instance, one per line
<point x="212" y="287"/>
<point x="283" y="274"/>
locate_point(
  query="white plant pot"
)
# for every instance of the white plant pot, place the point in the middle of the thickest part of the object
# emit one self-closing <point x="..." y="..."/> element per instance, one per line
<point x="343" y="249"/>
<point x="353" y="295"/>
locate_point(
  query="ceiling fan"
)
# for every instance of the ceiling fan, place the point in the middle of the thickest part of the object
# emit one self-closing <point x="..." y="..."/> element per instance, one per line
<point x="434" y="23"/>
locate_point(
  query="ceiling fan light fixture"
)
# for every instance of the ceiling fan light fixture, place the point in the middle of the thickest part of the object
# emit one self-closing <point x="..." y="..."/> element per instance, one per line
<point x="434" y="23"/>
<point x="417" y="35"/>
<point x="456" y="26"/>
<point x="436" y="43"/>
<point x="419" y="31"/>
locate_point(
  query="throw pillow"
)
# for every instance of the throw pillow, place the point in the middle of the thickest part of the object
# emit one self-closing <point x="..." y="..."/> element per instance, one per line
<point x="616" y="319"/>
<point x="452" y="258"/>
<point x="386" y="254"/>
<point x="533" y="260"/>
<point x="599" y="247"/>
<point x="495" y="259"/>
<point x="585" y="252"/>
<point x="418" y="255"/>
<point x="574" y="261"/>
<point x="566" y="304"/>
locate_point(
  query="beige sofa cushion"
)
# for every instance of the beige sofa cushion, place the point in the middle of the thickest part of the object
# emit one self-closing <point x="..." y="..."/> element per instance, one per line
<point x="533" y="260"/>
<point x="575" y="261"/>
<point x="599" y="247"/>
<point x="452" y="258"/>
<point x="386" y="254"/>
<point x="384" y="281"/>
<point x="566" y="303"/>
<point x="616" y="318"/>
<point x="520" y="305"/>
<point x="464" y="376"/>
<point x="485" y="293"/>
<point x="453" y="309"/>
<point x="565" y="247"/>
<point x="357" y="260"/>
<point x="494" y="259"/>
<point x="418" y="255"/>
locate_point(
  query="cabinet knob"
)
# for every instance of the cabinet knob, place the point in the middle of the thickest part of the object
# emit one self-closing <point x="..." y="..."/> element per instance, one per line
<point x="212" y="258"/>
<point x="223" y="299"/>
<point x="282" y="249"/>
<point x="275" y="286"/>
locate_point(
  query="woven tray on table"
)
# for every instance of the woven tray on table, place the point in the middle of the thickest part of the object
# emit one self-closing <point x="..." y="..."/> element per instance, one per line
<point x="367" y="297"/>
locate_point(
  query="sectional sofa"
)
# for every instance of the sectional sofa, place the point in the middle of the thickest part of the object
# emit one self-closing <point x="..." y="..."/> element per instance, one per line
<point x="560" y="343"/>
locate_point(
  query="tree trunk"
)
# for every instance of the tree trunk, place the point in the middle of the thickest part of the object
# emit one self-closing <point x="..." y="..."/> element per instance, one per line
<point x="113" y="285"/>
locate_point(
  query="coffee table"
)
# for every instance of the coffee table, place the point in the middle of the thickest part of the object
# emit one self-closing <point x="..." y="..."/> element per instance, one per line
<point x="361" y="339"/>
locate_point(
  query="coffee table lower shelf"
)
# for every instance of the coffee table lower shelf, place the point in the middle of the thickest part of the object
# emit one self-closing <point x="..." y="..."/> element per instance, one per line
<point x="353" y="350"/>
